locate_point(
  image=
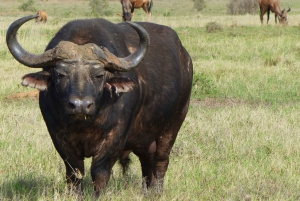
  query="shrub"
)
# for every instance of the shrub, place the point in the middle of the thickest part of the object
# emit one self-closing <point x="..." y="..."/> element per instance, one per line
<point x="213" y="27"/>
<point x="27" y="6"/>
<point x="199" y="5"/>
<point x="240" y="7"/>
<point x="98" y="6"/>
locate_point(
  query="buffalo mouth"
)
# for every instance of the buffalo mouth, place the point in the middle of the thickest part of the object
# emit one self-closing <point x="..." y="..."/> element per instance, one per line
<point x="80" y="117"/>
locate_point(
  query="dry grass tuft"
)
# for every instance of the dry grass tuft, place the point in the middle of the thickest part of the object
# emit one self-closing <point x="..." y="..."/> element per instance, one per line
<point x="213" y="27"/>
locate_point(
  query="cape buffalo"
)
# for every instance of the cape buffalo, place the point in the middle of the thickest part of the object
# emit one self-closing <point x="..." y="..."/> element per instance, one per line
<point x="106" y="91"/>
<point x="274" y="6"/>
<point x="42" y="16"/>
<point x="128" y="7"/>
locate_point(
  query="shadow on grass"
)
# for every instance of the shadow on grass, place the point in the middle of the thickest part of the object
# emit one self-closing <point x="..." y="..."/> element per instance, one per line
<point x="35" y="188"/>
<point x="25" y="189"/>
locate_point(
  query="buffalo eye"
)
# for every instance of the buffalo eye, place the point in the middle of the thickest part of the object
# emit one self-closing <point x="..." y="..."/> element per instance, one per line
<point x="60" y="74"/>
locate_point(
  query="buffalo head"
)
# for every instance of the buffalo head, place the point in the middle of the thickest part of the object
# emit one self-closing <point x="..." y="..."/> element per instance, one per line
<point x="77" y="75"/>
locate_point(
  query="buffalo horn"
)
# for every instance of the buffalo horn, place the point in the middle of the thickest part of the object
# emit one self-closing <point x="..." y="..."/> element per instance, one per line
<point x="131" y="61"/>
<point x="21" y="55"/>
<point x="111" y="61"/>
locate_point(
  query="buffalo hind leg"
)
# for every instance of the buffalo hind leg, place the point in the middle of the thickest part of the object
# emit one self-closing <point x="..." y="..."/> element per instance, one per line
<point x="164" y="145"/>
<point x="146" y="158"/>
<point x="125" y="161"/>
<point x="147" y="170"/>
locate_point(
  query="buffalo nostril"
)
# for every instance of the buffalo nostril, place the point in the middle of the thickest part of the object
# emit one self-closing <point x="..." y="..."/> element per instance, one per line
<point x="75" y="103"/>
<point x="72" y="105"/>
<point x="88" y="103"/>
<point x="82" y="106"/>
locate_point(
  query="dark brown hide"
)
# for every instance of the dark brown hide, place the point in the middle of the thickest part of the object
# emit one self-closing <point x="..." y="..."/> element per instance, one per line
<point x="274" y="6"/>
<point x="128" y="7"/>
<point x="94" y="111"/>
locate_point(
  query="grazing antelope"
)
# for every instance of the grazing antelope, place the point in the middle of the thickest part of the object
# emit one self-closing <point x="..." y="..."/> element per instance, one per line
<point x="42" y="16"/>
<point x="128" y="7"/>
<point x="274" y="6"/>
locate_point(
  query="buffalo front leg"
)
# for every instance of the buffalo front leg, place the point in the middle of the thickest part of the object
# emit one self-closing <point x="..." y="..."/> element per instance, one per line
<point x="74" y="175"/>
<point x="100" y="171"/>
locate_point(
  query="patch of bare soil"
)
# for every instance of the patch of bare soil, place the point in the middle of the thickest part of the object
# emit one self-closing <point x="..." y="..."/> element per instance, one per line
<point x="225" y="102"/>
<point x="24" y="95"/>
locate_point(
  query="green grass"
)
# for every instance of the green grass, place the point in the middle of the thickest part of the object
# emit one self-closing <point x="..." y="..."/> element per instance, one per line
<point x="240" y="140"/>
<point x="253" y="63"/>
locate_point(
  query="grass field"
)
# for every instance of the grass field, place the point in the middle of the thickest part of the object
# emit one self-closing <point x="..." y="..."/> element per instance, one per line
<point x="240" y="140"/>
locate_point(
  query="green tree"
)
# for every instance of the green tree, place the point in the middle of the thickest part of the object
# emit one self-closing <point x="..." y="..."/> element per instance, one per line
<point x="98" y="6"/>
<point x="199" y="5"/>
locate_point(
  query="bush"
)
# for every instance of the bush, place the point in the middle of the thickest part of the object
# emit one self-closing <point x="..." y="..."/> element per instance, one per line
<point x="27" y="6"/>
<point x="241" y="7"/>
<point x="213" y="27"/>
<point x="199" y="5"/>
<point x="98" y="6"/>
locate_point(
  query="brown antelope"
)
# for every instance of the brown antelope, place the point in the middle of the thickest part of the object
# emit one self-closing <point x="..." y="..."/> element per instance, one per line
<point x="42" y="16"/>
<point x="128" y="7"/>
<point x="274" y="6"/>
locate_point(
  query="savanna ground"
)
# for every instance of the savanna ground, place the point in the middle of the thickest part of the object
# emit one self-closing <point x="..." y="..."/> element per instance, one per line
<point x="240" y="140"/>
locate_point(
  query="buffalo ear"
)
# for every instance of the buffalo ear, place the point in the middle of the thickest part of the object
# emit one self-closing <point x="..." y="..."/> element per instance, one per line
<point x="117" y="85"/>
<point x="38" y="80"/>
